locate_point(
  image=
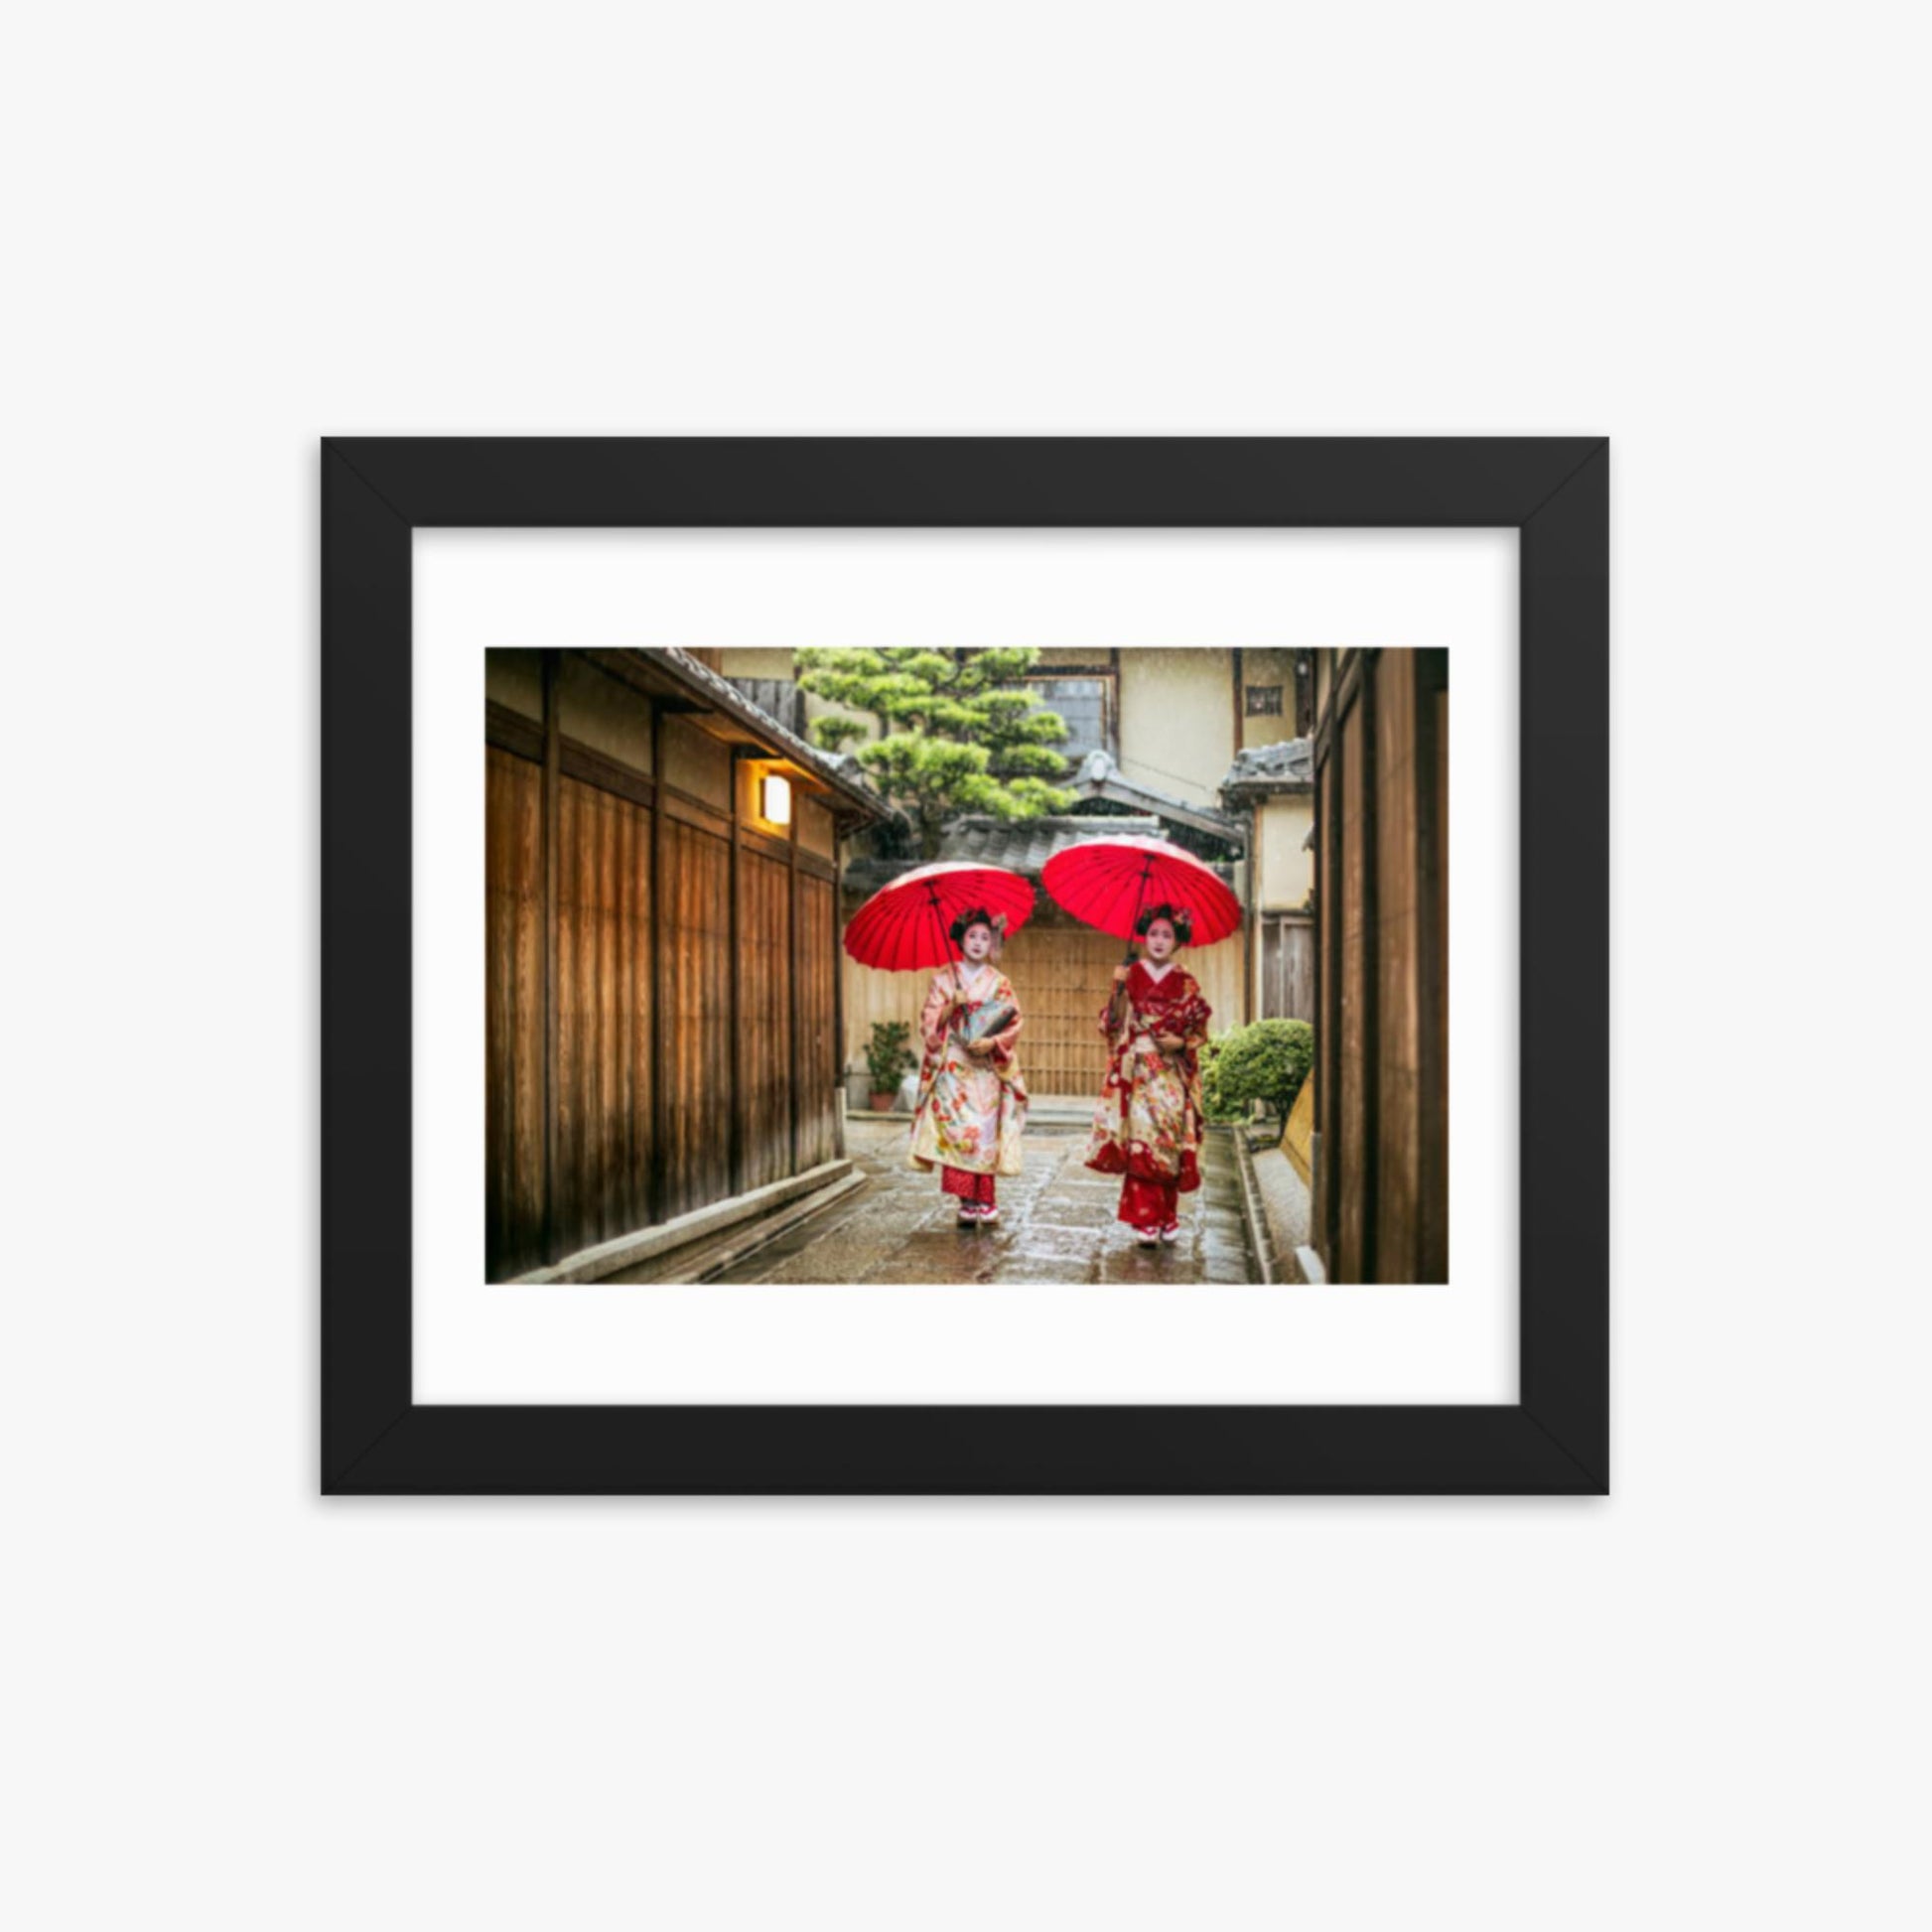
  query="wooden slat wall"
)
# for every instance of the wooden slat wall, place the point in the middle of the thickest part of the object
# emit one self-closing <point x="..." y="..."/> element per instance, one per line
<point x="696" y="930"/>
<point x="1397" y="1187"/>
<point x="1327" y="994"/>
<point x="605" y="1176"/>
<point x="513" y="1027"/>
<point x="1351" y="1151"/>
<point x="764" y="936"/>
<point x="824" y="1097"/>
<point x="1061" y="976"/>
<point x="1381" y="1182"/>
<point x="871" y="996"/>
<point x="604" y="1060"/>
<point x="1431" y="772"/>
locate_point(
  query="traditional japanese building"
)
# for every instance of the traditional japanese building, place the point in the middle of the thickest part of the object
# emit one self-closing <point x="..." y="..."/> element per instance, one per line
<point x="674" y="1031"/>
<point x="662" y="961"/>
<point x="1200" y="746"/>
<point x="1272" y="788"/>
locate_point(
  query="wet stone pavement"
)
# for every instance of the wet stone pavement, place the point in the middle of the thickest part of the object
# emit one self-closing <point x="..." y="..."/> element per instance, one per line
<point x="1056" y="1223"/>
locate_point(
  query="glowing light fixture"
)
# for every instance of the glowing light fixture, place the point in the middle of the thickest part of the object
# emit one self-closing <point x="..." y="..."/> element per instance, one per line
<point x="774" y="799"/>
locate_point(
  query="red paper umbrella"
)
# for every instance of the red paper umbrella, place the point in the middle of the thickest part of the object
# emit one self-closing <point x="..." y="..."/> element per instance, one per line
<point x="908" y="923"/>
<point x="1108" y="884"/>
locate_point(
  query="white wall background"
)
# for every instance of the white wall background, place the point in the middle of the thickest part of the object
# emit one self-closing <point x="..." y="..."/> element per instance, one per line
<point x="229" y="229"/>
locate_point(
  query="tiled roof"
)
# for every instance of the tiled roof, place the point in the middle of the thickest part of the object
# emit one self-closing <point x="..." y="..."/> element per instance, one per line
<point x="1272" y="768"/>
<point x="1025" y="844"/>
<point x="840" y="771"/>
<point x="1020" y="845"/>
<point x="1100" y="778"/>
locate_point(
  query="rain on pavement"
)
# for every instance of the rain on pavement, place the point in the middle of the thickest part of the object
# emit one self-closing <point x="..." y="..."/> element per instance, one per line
<point x="1056" y="1222"/>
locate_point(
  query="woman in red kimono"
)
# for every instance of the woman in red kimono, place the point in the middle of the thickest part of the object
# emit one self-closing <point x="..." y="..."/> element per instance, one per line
<point x="972" y="1106"/>
<point x="1148" y="1123"/>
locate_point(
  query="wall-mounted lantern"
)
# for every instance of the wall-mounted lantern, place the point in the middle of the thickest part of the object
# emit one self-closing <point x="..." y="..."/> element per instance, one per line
<point x="774" y="799"/>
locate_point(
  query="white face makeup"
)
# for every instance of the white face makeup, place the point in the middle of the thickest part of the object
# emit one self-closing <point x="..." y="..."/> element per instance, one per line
<point x="1160" y="940"/>
<point x="977" y="942"/>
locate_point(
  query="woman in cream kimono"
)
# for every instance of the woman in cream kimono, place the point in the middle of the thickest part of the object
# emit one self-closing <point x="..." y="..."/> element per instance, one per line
<point x="972" y="1106"/>
<point x="1147" y="1125"/>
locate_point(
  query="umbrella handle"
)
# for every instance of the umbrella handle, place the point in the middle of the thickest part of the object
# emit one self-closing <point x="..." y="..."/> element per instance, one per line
<point x="1113" y="999"/>
<point x="1140" y="905"/>
<point x="1119" y="988"/>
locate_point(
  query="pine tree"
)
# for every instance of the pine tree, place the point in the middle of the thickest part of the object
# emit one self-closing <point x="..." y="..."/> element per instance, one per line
<point x="962" y="734"/>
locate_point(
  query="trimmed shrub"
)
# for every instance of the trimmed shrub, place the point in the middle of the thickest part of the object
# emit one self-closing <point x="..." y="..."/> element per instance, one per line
<point x="1265" y="1061"/>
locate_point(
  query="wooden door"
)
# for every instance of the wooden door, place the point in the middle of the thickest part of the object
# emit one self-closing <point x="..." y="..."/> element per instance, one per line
<point x="764" y="1018"/>
<point x="696" y="936"/>
<point x="820" y="1100"/>
<point x="1286" y="989"/>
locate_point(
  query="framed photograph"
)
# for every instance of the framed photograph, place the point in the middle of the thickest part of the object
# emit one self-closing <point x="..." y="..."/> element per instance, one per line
<point x="965" y="966"/>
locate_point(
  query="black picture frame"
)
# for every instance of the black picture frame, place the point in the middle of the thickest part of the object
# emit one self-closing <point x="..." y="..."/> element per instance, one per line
<point x="376" y="491"/>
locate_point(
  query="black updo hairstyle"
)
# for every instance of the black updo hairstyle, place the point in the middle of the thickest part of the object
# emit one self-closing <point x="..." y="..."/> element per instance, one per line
<point x="1183" y="926"/>
<point x="979" y="915"/>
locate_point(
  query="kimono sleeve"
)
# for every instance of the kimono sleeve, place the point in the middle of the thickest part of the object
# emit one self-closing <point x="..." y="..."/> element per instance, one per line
<point x="1003" y="1042"/>
<point x="1125" y="1000"/>
<point x="1194" y="1023"/>
<point x="932" y="1014"/>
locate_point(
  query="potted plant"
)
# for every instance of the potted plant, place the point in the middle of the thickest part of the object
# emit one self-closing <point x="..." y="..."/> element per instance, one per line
<point x="886" y="1059"/>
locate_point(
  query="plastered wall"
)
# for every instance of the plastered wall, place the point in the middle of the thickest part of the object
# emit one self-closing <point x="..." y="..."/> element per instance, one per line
<point x="1176" y="719"/>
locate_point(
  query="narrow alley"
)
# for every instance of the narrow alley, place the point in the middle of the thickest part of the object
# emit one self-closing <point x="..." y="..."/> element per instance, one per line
<point x="1056" y="1223"/>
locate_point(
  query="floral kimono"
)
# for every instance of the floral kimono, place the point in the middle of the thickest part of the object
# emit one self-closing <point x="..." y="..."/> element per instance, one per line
<point x="972" y="1110"/>
<point x="1147" y="1125"/>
